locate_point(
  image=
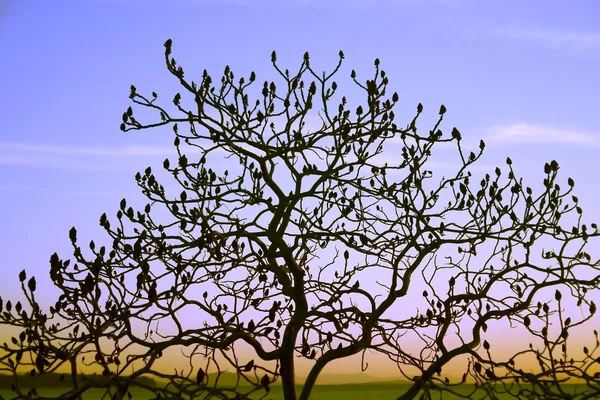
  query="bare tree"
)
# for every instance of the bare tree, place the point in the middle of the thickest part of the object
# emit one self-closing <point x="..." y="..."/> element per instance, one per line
<point x="311" y="241"/>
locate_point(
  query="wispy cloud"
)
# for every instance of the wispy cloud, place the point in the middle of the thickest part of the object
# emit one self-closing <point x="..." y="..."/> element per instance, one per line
<point x="16" y="188"/>
<point x="571" y="39"/>
<point x="452" y="3"/>
<point x="127" y="151"/>
<point x="80" y="157"/>
<point x="523" y="133"/>
<point x="325" y="3"/>
<point x="53" y="162"/>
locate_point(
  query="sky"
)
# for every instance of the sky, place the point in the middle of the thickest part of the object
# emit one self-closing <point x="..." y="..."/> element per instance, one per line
<point x="523" y="76"/>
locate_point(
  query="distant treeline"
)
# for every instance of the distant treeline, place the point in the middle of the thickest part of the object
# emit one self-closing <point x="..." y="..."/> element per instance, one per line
<point x="53" y="380"/>
<point x="226" y="379"/>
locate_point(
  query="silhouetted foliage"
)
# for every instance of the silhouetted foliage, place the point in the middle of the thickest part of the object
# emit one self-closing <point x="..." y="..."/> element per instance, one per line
<point x="304" y="241"/>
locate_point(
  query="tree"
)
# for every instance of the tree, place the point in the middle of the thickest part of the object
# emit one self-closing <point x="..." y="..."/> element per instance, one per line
<point x="310" y="243"/>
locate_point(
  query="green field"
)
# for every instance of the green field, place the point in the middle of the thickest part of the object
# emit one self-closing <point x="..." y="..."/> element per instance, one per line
<point x="324" y="392"/>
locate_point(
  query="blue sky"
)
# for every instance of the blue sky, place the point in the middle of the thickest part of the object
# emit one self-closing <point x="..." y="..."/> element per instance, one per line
<point x="523" y="76"/>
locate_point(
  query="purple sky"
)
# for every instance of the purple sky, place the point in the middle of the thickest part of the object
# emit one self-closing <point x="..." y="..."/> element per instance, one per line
<point x="521" y="75"/>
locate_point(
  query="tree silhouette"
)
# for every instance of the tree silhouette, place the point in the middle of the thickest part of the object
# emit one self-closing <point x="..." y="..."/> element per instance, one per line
<point x="297" y="241"/>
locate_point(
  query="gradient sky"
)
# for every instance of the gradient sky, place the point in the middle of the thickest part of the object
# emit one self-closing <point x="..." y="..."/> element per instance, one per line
<point x="521" y="75"/>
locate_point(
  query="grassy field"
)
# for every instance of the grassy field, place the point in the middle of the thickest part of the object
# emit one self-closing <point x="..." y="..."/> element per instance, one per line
<point x="325" y="392"/>
<point x="346" y="392"/>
